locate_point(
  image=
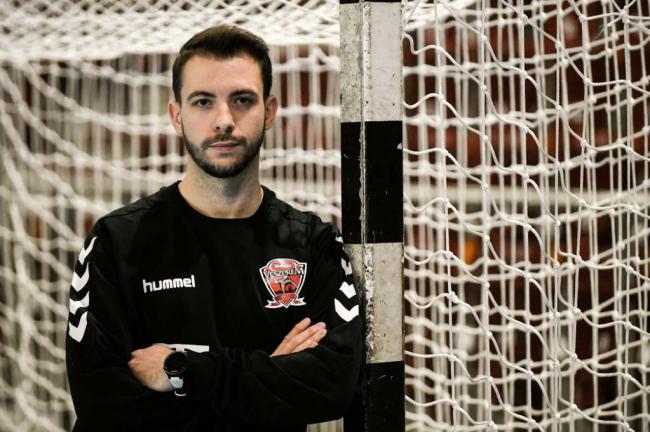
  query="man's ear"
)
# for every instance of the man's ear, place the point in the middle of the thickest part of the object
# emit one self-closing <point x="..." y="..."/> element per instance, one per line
<point x="270" y="109"/>
<point x="174" y="111"/>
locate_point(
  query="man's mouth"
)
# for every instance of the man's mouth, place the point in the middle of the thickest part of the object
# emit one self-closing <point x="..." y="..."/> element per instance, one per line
<point x="223" y="145"/>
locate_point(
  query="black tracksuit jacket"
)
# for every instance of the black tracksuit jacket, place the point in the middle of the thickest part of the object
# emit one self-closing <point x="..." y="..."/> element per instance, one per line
<point x="224" y="290"/>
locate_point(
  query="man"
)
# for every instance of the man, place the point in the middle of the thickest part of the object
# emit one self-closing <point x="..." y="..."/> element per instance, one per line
<point x="213" y="305"/>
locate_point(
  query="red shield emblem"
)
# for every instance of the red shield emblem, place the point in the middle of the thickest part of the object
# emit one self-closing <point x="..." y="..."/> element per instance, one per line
<point x="283" y="278"/>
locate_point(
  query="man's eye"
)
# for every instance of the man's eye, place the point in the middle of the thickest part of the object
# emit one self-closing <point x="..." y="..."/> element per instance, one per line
<point x="202" y="103"/>
<point x="243" y="101"/>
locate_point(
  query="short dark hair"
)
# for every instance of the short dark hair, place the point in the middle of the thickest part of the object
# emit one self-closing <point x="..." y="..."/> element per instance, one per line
<point x="223" y="41"/>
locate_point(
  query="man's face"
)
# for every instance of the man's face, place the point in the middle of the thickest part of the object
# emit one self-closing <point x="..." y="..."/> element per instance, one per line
<point x="222" y="115"/>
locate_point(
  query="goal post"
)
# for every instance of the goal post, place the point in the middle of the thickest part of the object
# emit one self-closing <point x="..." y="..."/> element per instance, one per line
<point x="372" y="189"/>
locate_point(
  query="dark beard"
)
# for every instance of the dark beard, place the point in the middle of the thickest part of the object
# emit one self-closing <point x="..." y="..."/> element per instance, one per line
<point x="196" y="153"/>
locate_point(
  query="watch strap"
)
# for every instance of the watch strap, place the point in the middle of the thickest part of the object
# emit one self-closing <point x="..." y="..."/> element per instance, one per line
<point x="176" y="379"/>
<point x="177" y="383"/>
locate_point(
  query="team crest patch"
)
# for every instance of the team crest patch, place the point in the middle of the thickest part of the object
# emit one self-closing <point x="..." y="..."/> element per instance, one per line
<point x="284" y="278"/>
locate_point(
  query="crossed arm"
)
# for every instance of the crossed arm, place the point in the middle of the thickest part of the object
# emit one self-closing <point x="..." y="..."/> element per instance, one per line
<point x="147" y="364"/>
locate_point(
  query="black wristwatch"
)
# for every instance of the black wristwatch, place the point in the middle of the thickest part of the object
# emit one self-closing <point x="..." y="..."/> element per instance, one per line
<point x="174" y="367"/>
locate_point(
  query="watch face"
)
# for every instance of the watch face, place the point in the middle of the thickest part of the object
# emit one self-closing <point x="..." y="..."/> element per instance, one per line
<point x="175" y="363"/>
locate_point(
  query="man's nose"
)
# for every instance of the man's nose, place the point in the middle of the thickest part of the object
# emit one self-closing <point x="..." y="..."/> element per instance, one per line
<point x="223" y="121"/>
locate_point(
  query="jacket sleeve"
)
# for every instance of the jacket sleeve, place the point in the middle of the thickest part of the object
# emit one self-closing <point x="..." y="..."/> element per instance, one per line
<point x="311" y="386"/>
<point x="98" y="345"/>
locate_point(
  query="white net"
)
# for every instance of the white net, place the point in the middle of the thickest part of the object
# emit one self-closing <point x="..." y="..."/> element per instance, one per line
<point x="527" y="215"/>
<point x="527" y="189"/>
<point x="84" y="87"/>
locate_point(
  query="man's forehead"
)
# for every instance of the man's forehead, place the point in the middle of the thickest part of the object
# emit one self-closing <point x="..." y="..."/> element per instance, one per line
<point x="204" y="71"/>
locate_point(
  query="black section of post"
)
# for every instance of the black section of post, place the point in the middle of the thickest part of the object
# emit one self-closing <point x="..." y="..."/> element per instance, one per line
<point x="384" y="196"/>
<point x="383" y="181"/>
<point x="351" y="182"/>
<point x="385" y="397"/>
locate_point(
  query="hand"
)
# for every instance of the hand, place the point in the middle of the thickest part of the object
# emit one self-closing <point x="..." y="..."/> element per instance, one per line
<point x="147" y="366"/>
<point x="301" y="337"/>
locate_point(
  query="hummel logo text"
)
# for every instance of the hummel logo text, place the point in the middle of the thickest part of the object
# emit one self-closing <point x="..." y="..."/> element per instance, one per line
<point x="168" y="284"/>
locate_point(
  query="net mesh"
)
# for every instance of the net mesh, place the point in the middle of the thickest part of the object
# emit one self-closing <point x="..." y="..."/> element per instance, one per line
<point x="527" y="194"/>
<point x="526" y="189"/>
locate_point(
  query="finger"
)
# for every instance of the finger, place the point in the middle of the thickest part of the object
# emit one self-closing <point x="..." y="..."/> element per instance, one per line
<point x="312" y="342"/>
<point x="300" y="338"/>
<point x="298" y="328"/>
<point x="134" y="366"/>
<point x="304" y="335"/>
<point x="297" y="336"/>
<point x="316" y="338"/>
<point x="306" y="345"/>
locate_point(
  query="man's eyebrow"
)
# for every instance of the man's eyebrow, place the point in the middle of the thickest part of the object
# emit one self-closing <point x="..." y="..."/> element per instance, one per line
<point x="244" y="92"/>
<point x="201" y="93"/>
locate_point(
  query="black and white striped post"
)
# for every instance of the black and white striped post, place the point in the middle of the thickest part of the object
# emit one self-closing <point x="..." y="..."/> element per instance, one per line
<point x="371" y="161"/>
